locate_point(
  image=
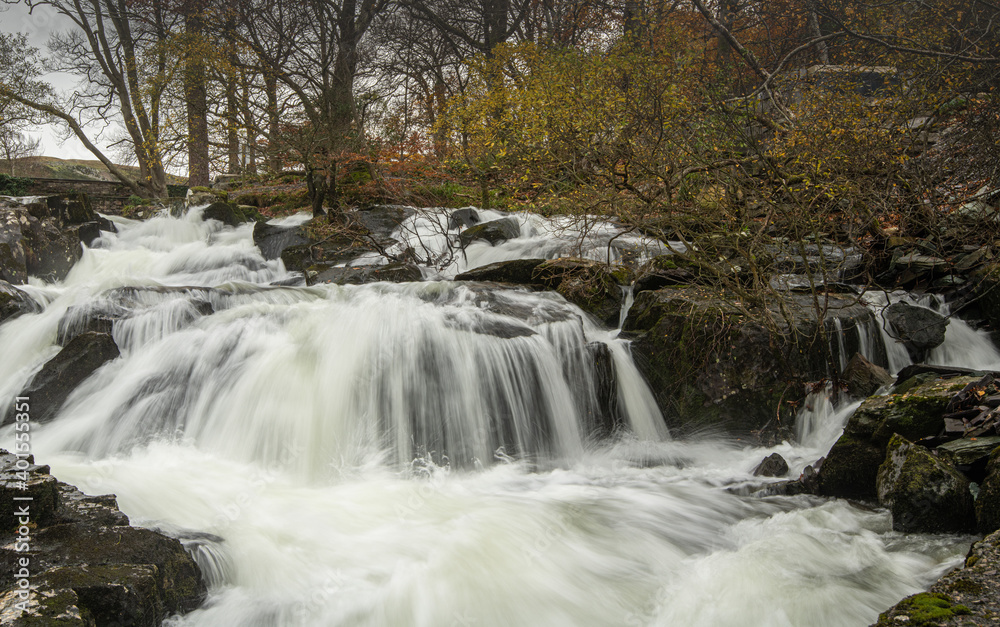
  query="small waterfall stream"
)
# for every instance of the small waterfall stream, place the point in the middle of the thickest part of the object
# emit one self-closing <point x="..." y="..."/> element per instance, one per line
<point x="427" y="454"/>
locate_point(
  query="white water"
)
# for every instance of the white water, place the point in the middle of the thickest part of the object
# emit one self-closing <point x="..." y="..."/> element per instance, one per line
<point x="309" y="430"/>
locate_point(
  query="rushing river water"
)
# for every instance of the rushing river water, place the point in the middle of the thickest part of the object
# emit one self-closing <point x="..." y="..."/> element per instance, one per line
<point x="422" y="454"/>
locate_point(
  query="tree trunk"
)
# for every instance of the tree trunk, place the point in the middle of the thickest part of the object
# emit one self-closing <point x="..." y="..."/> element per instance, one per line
<point x="273" y="123"/>
<point x="196" y="97"/>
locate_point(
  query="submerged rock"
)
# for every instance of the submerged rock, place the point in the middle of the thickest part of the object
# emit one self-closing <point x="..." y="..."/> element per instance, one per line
<point x="14" y="302"/>
<point x="86" y="565"/>
<point x="359" y="275"/>
<point x="923" y="493"/>
<point x="57" y="379"/>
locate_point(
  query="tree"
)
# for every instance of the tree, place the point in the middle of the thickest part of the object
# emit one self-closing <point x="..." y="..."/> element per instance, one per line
<point x="20" y="68"/>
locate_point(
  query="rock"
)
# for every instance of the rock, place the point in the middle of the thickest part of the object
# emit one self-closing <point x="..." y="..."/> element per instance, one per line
<point x="227" y="213"/>
<point x="988" y="501"/>
<point x="852" y="465"/>
<point x="96" y="318"/>
<point x="923" y="493"/>
<point x="50" y="388"/>
<point x="225" y="181"/>
<point x="494" y="231"/>
<point x="272" y="240"/>
<point x="13" y="265"/>
<point x="517" y="272"/>
<point x="383" y="220"/>
<point x="850" y="469"/>
<point x="32" y="243"/>
<point x="968" y="451"/>
<point x="920" y="329"/>
<point x="774" y="465"/>
<point x="663" y="271"/>
<point x="713" y="361"/>
<point x="463" y="218"/>
<point x="87" y="565"/>
<point x="391" y="273"/>
<point x="590" y="285"/>
<point x="965" y="597"/>
<point x="14" y="302"/>
<point x="199" y="196"/>
<point x="863" y="378"/>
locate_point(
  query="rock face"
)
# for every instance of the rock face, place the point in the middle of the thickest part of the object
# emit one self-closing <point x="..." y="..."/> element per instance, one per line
<point x="964" y="597"/>
<point x="713" y="361"/>
<point x="63" y="373"/>
<point x="86" y="566"/>
<point x="923" y="493"/>
<point x="494" y="231"/>
<point x="920" y="329"/>
<point x="863" y="378"/>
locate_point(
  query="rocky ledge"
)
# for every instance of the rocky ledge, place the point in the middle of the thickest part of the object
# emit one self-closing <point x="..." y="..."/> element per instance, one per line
<point x="72" y="560"/>
<point x="967" y="597"/>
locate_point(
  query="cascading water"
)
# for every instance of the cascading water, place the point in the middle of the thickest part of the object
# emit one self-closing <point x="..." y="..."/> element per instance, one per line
<point x="424" y="454"/>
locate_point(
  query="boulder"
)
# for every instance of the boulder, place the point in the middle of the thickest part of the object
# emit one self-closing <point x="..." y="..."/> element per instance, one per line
<point x="494" y="231"/>
<point x="923" y="493"/>
<point x="517" y="272"/>
<point x="863" y="378"/>
<point x="988" y="501"/>
<point x="391" y="273"/>
<point x="382" y="220"/>
<point x="850" y="469"/>
<point x="14" y="302"/>
<point x="920" y="329"/>
<point x="463" y="218"/>
<point x="225" y="212"/>
<point x="50" y="388"/>
<point x="32" y="243"/>
<point x="968" y="451"/>
<point x="273" y="240"/>
<point x="715" y="361"/>
<point x="663" y="271"/>
<point x="199" y="196"/>
<point x="774" y="465"/>
<point x="87" y="565"/>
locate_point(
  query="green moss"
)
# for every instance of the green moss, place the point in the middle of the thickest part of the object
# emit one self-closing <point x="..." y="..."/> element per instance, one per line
<point x="964" y="586"/>
<point x="926" y="608"/>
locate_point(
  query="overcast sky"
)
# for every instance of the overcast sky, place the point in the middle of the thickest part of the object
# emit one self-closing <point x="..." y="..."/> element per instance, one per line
<point x="38" y="25"/>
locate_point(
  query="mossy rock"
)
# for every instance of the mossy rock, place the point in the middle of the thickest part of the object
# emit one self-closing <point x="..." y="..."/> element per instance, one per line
<point x="516" y="271"/>
<point x="227" y="213"/>
<point x="923" y="493"/>
<point x="494" y="231"/>
<point x="924" y="609"/>
<point x="850" y="469"/>
<point x="590" y="285"/>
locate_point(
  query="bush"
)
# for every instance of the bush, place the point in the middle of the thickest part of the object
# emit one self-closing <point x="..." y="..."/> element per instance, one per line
<point x="14" y="185"/>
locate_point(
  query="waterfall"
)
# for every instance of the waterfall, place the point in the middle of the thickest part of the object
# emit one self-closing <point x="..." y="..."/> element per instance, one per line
<point x="427" y="453"/>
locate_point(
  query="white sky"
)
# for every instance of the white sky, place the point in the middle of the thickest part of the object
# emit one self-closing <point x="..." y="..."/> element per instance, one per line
<point x="38" y="25"/>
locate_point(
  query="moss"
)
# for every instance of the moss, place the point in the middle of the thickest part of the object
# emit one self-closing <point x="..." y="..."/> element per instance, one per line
<point x="926" y="608"/>
<point x="965" y="586"/>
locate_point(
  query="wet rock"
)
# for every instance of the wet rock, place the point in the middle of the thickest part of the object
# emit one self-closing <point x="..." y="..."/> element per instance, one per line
<point x="850" y="469"/>
<point x="774" y="465"/>
<point x="87" y="565"/>
<point x="359" y="275"/>
<point x="273" y="240"/>
<point x="50" y="388"/>
<point x="663" y="271"/>
<point x="920" y="329"/>
<point x="199" y="196"/>
<point x="494" y="231"/>
<point x="382" y="220"/>
<point x="605" y="418"/>
<point x="590" y="285"/>
<point x="863" y="378"/>
<point x="14" y="302"/>
<point x="988" y="501"/>
<point x="714" y="361"/>
<point x="96" y="317"/>
<point x="923" y="493"/>
<point x="463" y="218"/>
<point x="517" y="272"/>
<point x="32" y="243"/>
<point x="225" y="212"/>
